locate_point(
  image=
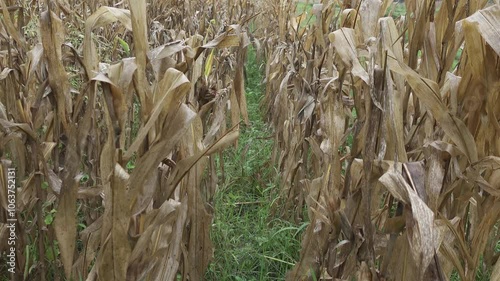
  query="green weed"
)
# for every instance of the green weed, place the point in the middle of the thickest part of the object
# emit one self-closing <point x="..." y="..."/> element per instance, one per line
<point x="249" y="244"/>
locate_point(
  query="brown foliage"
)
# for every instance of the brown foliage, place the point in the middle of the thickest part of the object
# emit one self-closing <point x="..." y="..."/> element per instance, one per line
<point x="416" y="193"/>
<point x="413" y="196"/>
<point x="76" y="111"/>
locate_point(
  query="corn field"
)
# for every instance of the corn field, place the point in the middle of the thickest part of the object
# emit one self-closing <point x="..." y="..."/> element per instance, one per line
<point x="115" y="116"/>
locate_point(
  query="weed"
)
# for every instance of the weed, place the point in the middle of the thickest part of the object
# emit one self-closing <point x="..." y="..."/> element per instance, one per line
<point x="249" y="243"/>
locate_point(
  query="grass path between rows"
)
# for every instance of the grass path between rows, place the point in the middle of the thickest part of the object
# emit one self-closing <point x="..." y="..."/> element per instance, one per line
<point x="250" y="244"/>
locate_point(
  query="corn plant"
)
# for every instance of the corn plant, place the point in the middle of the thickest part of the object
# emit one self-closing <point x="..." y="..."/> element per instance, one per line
<point x="110" y="113"/>
<point x="387" y="141"/>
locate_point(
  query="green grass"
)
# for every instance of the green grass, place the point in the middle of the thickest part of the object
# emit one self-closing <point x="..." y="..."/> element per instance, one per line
<point x="457" y="59"/>
<point x="305" y="8"/>
<point x="397" y="10"/>
<point x="249" y="243"/>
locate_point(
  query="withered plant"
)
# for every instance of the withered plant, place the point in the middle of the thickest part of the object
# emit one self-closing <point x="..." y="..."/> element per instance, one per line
<point x="111" y="112"/>
<point x="390" y="144"/>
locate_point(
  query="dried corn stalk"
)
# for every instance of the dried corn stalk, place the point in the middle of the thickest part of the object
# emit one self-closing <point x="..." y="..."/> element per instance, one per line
<point x="394" y="152"/>
<point x="75" y="117"/>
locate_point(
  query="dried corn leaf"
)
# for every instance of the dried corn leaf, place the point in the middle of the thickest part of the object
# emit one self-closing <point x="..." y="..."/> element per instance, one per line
<point x="168" y="94"/>
<point x="428" y="92"/>
<point x="486" y="22"/>
<point x="345" y="45"/>
<point x="103" y="16"/>
<point x="422" y="234"/>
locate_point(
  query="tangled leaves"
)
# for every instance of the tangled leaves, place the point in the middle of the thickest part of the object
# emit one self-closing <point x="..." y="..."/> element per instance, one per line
<point x="115" y="146"/>
<point x="406" y="199"/>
